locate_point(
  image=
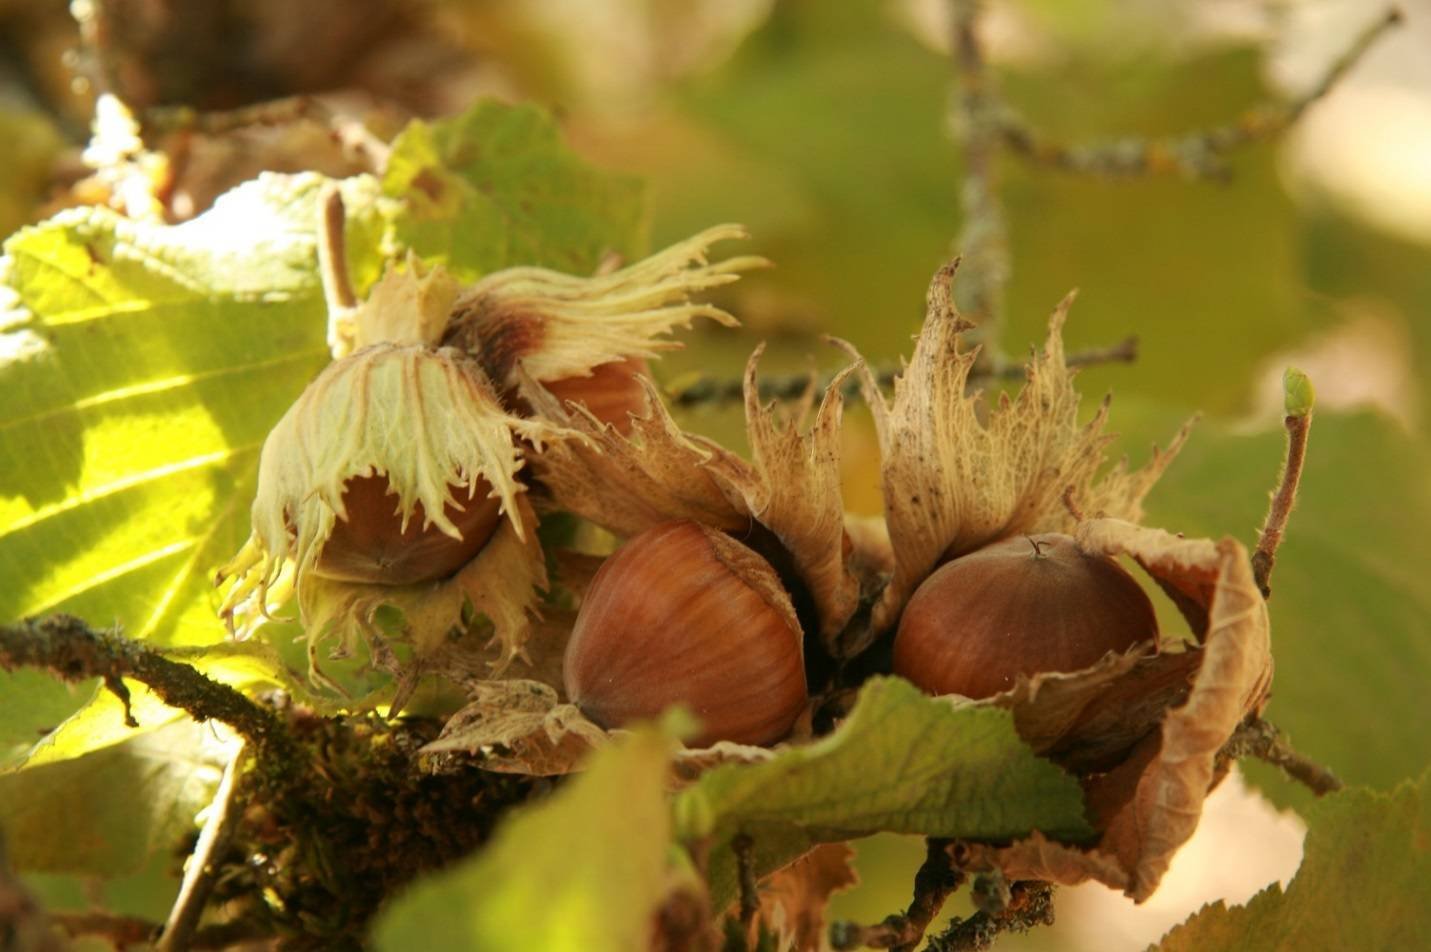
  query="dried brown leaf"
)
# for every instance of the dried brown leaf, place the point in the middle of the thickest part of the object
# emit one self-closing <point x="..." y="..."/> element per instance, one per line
<point x="793" y="900"/>
<point x="519" y="726"/>
<point x="1149" y="805"/>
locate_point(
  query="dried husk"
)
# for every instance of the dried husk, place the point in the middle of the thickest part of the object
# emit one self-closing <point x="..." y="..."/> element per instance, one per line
<point x="659" y="473"/>
<point x="519" y="726"/>
<point x="1149" y="805"/>
<point x="958" y="474"/>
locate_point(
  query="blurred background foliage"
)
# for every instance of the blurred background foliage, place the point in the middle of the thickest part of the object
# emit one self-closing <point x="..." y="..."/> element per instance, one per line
<point x="824" y="127"/>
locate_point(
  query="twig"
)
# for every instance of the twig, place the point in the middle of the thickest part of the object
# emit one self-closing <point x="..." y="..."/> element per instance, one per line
<point x="744" y="848"/>
<point x="349" y="131"/>
<point x="120" y="931"/>
<point x="1198" y="154"/>
<point x="1257" y="738"/>
<point x="983" y="237"/>
<point x="203" y="863"/>
<point x="711" y="391"/>
<point x="333" y="251"/>
<point x="73" y="651"/>
<point x="1298" y="422"/>
<point x="1030" y="904"/>
<point x="934" y="882"/>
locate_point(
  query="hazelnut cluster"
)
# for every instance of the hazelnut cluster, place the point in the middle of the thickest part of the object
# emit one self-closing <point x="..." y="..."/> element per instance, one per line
<point x="410" y="472"/>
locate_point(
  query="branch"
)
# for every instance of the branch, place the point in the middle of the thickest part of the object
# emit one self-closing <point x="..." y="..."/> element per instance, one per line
<point x="1257" y="738"/>
<point x="1030" y="904"/>
<point x="72" y="651"/>
<point x="203" y="864"/>
<point x="983" y="239"/>
<point x="936" y="879"/>
<point x="1298" y="421"/>
<point x="711" y="391"/>
<point x="1199" y="154"/>
<point x="744" y="848"/>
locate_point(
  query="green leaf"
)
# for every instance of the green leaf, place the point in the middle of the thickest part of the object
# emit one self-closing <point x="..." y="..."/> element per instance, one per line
<point x="584" y="871"/>
<point x="1362" y="883"/>
<point x="496" y="186"/>
<point x="1351" y="602"/>
<point x="1298" y="393"/>
<point x="145" y="364"/>
<point x="900" y="762"/>
<point x="34" y="704"/>
<point x="107" y="812"/>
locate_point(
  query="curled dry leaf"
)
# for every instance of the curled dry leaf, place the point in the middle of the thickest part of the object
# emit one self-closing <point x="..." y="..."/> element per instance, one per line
<point x="659" y="473"/>
<point x="793" y="900"/>
<point x="958" y="474"/>
<point x="1148" y="806"/>
<point x="519" y="726"/>
<point x="552" y="326"/>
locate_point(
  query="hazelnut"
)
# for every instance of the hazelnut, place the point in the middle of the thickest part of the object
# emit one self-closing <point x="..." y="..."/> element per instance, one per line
<point x="1026" y="605"/>
<point x="612" y="392"/>
<point x="371" y="544"/>
<point x="684" y="614"/>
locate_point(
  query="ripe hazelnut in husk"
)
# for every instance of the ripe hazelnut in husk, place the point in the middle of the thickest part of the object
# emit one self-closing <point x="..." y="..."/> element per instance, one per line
<point x="1025" y="605"/>
<point x="612" y="391"/>
<point x="373" y="542"/>
<point x="684" y="614"/>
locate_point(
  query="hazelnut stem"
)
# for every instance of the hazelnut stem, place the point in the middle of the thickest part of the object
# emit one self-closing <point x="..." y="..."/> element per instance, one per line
<point x="1257" y="738"/>
<point x="333" y="251"/>
<point x="1283" y="499"/>
<point x="744" y="847"/>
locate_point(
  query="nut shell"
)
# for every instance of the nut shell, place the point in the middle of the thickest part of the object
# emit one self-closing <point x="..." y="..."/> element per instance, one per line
<point x="683" y="614"/>
<point x="612" y="392"/>
<point x="372" y="546"/>
<point x="1022" y="606"/>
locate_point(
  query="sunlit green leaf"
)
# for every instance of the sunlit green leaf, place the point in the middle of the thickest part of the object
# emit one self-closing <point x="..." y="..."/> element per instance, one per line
<point x="1362" y="883"/>
<point x="582" y="872"/>
<point x="107" y="812"/>
<point x="900" y="762"/>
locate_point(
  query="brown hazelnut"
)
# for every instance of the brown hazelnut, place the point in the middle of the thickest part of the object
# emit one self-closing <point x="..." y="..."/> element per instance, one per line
<point x="684" y="614"/>
<point x="1025" y="605"/>
<point x="612" y="392"/>
<point x="370" y="545"/>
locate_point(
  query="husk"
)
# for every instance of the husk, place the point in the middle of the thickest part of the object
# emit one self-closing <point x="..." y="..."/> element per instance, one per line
<point x="554" y="325"/>
<point x="958" y="474"/>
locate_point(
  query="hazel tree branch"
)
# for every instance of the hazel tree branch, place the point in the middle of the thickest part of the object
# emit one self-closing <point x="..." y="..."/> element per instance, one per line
<point x="1200" y="154"/>
<point x="936" y="880"/>
<point x="983" y="238"/>
<point x="72" y="651"/>
<point x="703" y="391"/>
<point x="1258" y="738"/>
<point x="1030" y="904"/>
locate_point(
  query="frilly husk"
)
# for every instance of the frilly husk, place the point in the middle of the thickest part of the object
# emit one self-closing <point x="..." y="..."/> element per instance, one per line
<point x="429" y="421"/>
<point x="659" y="473"/>
<point x="1149" y="805"/>
<point x="557" y="325"/>
<point x="501" y="583"/>
<point x="410" y="304"/>
<point x="958" y="475"/>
